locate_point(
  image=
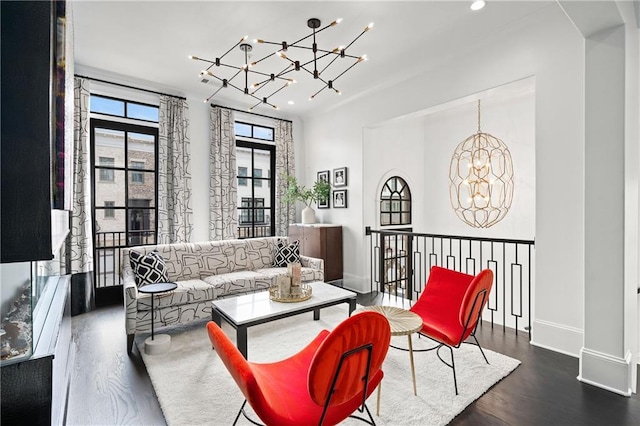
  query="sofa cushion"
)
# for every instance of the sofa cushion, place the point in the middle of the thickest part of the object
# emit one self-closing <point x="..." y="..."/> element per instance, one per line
<point x="148" y="268"/>
<point x="286" y="253"/>
<point x="306" y="275"/>
<point x="222" y="257"/>
<point x="238" y="282"/>
<point x="188" y="291"/>
<point x="261" y="251"/>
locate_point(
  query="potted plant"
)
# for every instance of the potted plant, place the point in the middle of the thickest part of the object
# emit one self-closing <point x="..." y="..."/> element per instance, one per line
<point x="296" y="192"/>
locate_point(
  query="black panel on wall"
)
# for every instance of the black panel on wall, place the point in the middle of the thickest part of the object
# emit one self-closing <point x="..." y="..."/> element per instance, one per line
<point x="25" y="176"/>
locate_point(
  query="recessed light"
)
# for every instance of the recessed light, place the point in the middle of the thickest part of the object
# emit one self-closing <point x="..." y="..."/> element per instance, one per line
<point x="291" y="102"/>
<point x="478" y="4"/>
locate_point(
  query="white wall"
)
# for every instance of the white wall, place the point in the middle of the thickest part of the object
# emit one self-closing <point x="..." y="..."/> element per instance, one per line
<point x="544" y="45"/>
<point x="393" y="150"/>
<point x="510" y="118"/>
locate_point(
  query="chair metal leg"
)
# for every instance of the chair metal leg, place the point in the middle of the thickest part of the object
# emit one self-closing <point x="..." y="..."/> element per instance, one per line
<point x="452" y="365"/>
<point x="370" y="421"/>
<point x="241" y="411"/>
<point x="373" y="422"/>
<point x="480" y="347"/>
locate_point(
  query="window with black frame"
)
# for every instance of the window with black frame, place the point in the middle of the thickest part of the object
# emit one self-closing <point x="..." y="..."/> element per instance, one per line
<point x="256" y="194"/>
<point x="395" y="202"/>
<point x="124" y="147"/>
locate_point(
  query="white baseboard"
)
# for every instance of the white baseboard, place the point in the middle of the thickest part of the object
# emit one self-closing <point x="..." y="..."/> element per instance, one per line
<point x="356" y="283"/>
<point x="606" y="371"/>
<point x="557" y="337"/>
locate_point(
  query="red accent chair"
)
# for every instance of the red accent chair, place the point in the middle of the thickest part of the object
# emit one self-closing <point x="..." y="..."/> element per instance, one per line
<point x="450" y="306"/>
<point x="323" y="384"/>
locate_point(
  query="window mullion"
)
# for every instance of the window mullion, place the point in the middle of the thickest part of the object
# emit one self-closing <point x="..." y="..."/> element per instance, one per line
<point x="126" y="181"/>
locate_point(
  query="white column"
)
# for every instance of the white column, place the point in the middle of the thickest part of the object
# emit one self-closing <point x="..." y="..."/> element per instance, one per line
<point x="605" y="358"/>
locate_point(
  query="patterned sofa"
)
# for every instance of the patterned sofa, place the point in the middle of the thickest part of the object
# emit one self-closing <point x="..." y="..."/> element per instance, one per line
<point x="204" y="271"/>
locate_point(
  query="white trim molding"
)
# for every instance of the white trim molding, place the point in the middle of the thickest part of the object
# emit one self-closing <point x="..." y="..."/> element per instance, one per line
<point x="356" y="283"/>
<point x="557" y="337"/>
<point x="606" y="371"/>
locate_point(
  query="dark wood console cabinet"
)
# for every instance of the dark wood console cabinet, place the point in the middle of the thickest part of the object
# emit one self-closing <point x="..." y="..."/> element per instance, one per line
<point x="322" y="241"/>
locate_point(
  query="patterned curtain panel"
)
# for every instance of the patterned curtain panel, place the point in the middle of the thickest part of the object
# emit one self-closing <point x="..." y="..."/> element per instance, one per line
<point x="80" y="247"/>
<point x="285" y="166"/>
<point x="223" y="183"/>
<point x="175" y="215"/>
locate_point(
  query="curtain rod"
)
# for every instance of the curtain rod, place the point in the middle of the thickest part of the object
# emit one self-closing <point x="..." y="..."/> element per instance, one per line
<point x="129" y="87"/>
<point x="252" y="113"/>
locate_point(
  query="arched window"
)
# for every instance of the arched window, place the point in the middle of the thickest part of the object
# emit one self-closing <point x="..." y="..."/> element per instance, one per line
<point x="395" y="202"/>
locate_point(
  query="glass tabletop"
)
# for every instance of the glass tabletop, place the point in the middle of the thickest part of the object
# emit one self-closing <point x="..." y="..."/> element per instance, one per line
<point x="157" y="288"/>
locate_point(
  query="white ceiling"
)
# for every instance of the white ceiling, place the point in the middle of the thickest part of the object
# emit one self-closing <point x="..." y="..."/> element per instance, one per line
<point x="150" y="41"/>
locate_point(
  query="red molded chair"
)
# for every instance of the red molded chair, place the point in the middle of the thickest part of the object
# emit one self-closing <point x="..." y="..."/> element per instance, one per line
<point x="450" y="306"/>
<point x="323" y="384"/>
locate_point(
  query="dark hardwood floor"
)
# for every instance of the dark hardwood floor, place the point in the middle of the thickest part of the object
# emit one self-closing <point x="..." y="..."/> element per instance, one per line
<point x="110" y="388"/>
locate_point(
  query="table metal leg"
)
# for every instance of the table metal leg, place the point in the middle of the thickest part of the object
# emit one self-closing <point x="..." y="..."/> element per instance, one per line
<point x="152" y="316"/>
<point x="413" y="370"/>
<point x="316" y="314"/>
<point x="241" y="337"/>
<point x="215" y="317"/>
<point x="352" y="306"/>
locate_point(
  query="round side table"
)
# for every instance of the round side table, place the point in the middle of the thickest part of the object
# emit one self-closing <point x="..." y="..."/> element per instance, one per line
<point x="402" y="323"/>
<point x="161" y="343"/>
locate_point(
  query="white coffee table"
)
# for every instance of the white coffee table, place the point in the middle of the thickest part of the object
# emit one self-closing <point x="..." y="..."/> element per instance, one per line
<point x="247" y="310"/>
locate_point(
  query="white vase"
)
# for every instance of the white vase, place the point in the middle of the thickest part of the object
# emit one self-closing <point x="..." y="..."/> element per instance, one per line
<point x="308" y="215"/>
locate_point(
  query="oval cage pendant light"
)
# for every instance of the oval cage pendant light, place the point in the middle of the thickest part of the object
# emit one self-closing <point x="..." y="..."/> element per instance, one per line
<point x="481" y="179"/>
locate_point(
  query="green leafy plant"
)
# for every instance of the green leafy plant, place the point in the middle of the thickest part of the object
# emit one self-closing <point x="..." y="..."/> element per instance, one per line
<point x="296" y="192"/>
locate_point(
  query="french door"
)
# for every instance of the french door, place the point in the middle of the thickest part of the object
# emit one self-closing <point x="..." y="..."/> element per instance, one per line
<point x="124" y="197"/>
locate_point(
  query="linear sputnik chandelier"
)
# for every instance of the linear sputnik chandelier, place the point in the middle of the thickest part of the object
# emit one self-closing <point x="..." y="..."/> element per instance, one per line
<point x="270" y="82"/>
<point x="481" y="179"/>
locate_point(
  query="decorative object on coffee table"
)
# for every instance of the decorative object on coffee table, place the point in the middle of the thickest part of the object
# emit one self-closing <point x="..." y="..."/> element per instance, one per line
<point x="289" y="288"/>
<point x="304" y="292"/>
<point x="162" y="342"/>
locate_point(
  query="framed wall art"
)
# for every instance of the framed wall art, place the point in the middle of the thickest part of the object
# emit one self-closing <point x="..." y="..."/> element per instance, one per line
<point x="323" y="176"/>
<point x="340" y="177"/>
<point x="340" y="199"/>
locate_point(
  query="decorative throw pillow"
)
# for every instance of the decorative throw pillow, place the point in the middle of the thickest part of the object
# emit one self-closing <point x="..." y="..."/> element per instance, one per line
<point x="149" y="268"/>
<point x="287" y="253"/>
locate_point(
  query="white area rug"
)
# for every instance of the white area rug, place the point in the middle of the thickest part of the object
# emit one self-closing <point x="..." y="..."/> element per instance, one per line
<point x="194" y="387"/>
